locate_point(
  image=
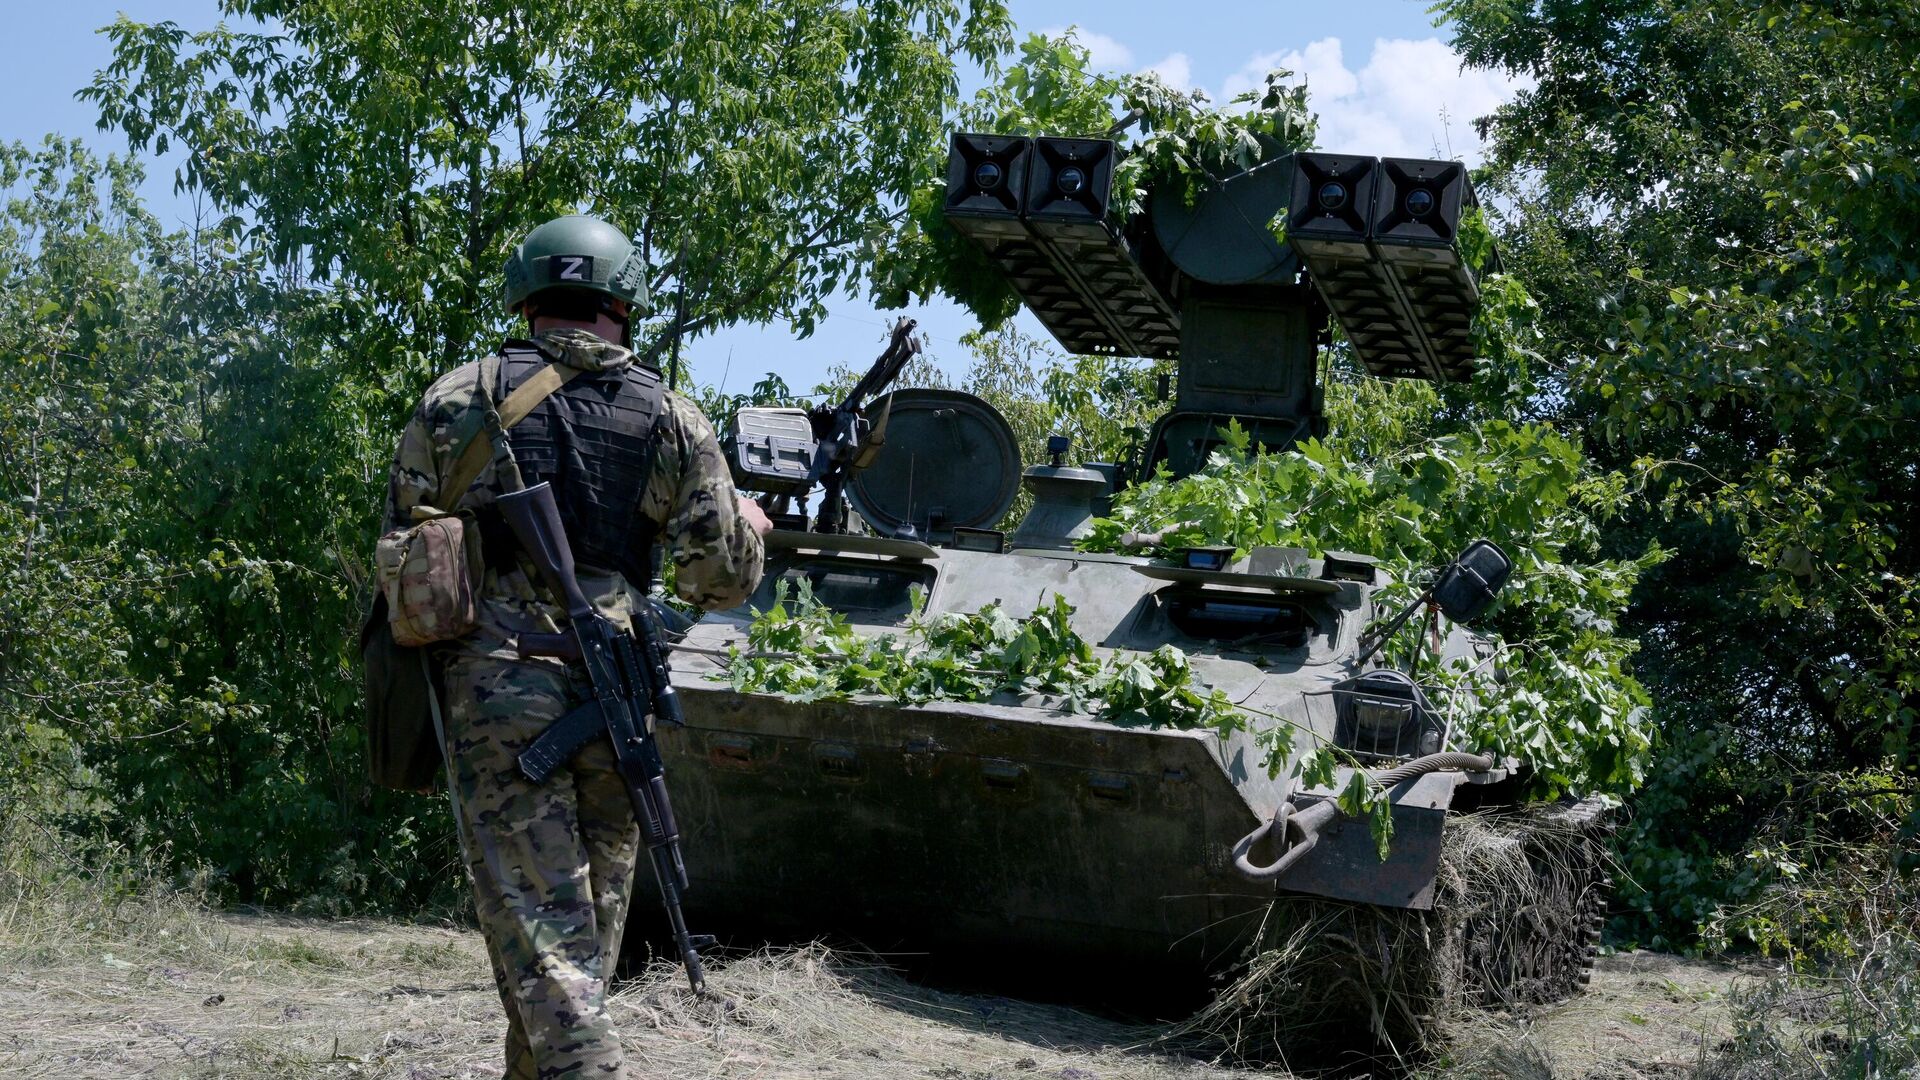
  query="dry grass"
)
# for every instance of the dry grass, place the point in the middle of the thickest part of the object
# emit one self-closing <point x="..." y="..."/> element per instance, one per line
<point x="110" y="976"/>
<point x="1647" y="1015"/>
<point x="125" y="978"/>
<point x="813" y="1012"/>
<point x="259" y="997"/>
<point x="1350" y="983"/>
<point x="253" y="996"/>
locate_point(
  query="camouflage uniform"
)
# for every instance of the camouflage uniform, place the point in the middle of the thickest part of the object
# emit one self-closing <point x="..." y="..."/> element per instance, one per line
<point x="553" y="864"/>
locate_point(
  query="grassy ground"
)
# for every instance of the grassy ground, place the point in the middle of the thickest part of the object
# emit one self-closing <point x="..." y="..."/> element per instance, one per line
<point x="112" y="974"/>
<point x="218" y="995"/>
<point x="1646" y="1015"/>
<point x="170" y="990"/>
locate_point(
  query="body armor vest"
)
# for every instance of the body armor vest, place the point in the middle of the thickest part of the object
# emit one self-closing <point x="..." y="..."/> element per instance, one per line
<point x="593" y="440"/>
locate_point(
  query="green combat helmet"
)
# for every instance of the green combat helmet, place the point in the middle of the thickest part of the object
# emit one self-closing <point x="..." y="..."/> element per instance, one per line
<point x="580" y="253"/>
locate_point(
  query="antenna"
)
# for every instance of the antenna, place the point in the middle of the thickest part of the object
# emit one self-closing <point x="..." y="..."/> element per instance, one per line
<point x="679" y="317"/>
<point x="907" y="529"/>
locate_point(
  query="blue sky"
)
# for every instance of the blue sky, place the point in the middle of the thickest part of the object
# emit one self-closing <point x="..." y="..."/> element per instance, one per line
<point x="1380" y="74"/>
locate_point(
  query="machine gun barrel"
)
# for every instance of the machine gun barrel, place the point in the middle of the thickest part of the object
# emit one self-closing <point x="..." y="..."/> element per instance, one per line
<point x="785" y="453"/>
<point x="630" y="683"/>
<point x="842" y="431"/>
<point x="901" y="347"/>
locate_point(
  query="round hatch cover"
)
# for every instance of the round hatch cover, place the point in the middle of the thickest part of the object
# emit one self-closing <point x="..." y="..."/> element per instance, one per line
<point x="950" y="461"/>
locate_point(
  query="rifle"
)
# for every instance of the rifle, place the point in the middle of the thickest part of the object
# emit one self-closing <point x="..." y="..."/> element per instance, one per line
<point x="630" y="681"/>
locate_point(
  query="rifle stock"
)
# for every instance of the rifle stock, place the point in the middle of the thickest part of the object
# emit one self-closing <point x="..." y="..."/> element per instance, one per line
<point x="534" y="517"/>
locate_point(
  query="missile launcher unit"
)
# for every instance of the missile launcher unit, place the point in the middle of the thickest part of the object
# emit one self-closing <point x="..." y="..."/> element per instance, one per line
<point x="1016" y="834"/>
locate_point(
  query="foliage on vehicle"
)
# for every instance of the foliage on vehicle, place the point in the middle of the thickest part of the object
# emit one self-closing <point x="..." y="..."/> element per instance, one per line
<point x="1405" y="478"/>
<point x="803" y="650"/>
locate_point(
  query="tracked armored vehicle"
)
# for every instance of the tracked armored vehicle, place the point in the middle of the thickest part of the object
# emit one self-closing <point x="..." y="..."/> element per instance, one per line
<point x="1019" y="836"/>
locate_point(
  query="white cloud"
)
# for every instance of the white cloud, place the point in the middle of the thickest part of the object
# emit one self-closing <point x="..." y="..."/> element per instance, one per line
<point x="1176" y="71"/>
<point x="1252" y="74"/>
<point x="1410" y="99"/>
<point x="1103" y="52"/>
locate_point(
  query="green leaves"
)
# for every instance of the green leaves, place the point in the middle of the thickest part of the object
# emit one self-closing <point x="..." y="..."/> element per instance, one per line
<point x="1161" y="690"/>
<point x="1402" y="480"/>
<point x="392" y="151"/>
<point x="1360" y="800"/>
<point x="184" y="495"/>
<point x="1762" y="362"/>
<point x="1714" y="199"/>
<point x="800" y="649"/>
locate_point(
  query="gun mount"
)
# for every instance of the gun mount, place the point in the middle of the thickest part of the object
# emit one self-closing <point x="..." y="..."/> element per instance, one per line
<point x="785" y="453"/>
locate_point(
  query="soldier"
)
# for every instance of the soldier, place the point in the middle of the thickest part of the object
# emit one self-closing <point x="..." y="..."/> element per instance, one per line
<point x="553" y="864"/>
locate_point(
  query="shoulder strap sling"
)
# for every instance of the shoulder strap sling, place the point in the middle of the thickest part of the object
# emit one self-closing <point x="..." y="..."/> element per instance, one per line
<point x="473" y="457"/>
<point x="525" y="398"/>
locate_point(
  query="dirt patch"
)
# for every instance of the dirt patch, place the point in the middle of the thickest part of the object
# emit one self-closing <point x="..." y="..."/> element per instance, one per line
<point x="1646" y="1015"/>
<point x="166" y="989"/>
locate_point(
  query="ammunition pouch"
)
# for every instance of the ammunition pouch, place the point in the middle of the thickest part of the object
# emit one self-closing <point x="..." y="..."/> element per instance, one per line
<point x="428" y="577"/>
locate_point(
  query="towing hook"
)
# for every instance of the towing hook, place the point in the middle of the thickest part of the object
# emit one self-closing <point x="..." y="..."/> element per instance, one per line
<point x="1299" y="830"/>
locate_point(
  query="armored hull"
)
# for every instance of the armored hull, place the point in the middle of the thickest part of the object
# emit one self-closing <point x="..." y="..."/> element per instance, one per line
<point x="1016" y="828"/>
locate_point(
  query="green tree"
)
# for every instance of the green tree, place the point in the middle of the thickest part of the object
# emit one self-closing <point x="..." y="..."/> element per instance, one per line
<point x="1104" y="404"/>
<point x="70" y="250"/>
<point x="368" y="164"/>
<point x="1714" y="200"/>
<point x="397" y="149"/>
<point x="185" y="503"/>
<point x="1732" y="231"/>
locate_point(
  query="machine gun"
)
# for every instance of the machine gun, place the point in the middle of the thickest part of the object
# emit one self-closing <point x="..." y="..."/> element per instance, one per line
<point x="630" y="683"/>
<point x="784" y="453"/>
